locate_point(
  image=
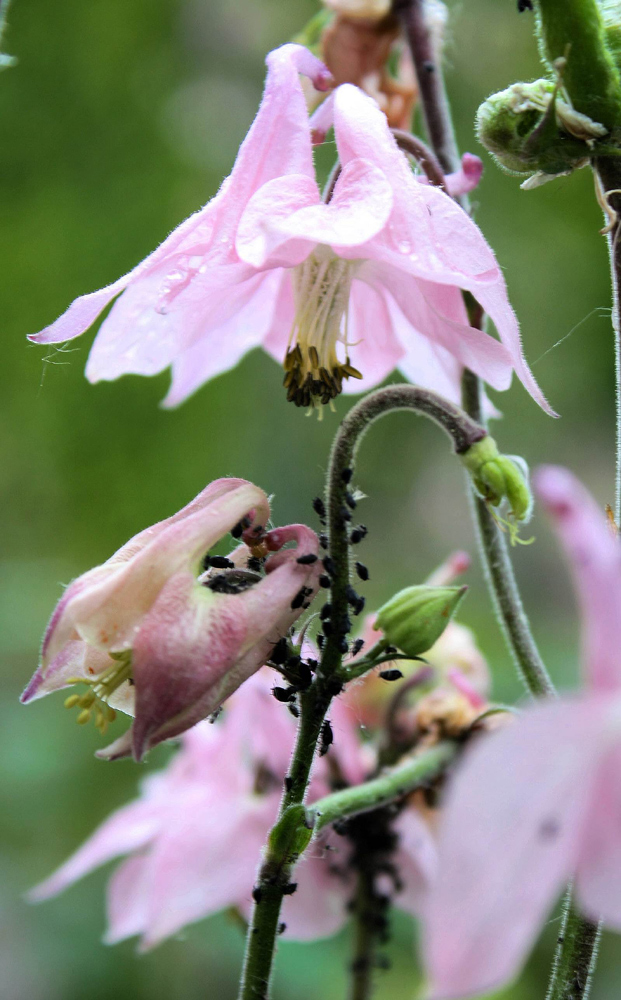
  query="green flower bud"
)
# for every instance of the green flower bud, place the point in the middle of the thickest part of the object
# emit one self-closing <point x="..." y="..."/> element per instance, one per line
<point x="497" y="477"/>
<point x="530" y="129"/>
<point x="415" y="618"/>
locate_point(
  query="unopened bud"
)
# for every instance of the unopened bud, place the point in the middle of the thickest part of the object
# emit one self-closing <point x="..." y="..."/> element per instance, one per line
<point x="415" y="618"/>
<point x="529" y="129"/>
<point x="497" y="477"/>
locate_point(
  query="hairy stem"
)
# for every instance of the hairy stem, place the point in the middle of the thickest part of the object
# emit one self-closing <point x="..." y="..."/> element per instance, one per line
<point x="577" y="949"/>
<point x="576" y="955"/>
<point x="274" y="876"/>
<point x="365" y="940"/>
<point x="391" y="785"/>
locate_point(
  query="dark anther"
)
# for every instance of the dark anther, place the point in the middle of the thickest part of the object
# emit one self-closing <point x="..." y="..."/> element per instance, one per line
<point x="279" y="652"/>
<point x="326" y="739"/>
<point x="524" y="5"/>
<point x="257" y="894"/>
<point x="323" y="541"/>
<point x="307" y="560"/>
<point x="284" y="694"/>
<point x="294" y="710"/>
<point x="324" y="581"/>
<point x="328" y="565"/>
<point x="358" y="534"/>
<point x="282" y="928"/>
<point x="326" y="611"/>
<point x="350" y="500"/>
<point x="320" y="508"/>
<point x="391" y="675"/>
<point x="346" y="475"/>
<point x="288" y="890"/>
<point x="357" y="646"/>
<point x="362" y="571"/>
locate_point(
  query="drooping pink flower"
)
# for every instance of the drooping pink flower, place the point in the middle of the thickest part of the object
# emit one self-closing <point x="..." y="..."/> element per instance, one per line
<point x="194" y="836"/>
<point x="368" y="282"/>
<point x="540" y="800"/>
<point x="152" y="635"/>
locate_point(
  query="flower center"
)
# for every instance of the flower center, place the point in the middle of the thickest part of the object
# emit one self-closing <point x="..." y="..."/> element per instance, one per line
<point x="321" y="286"/>
<point x="101" y="688"/>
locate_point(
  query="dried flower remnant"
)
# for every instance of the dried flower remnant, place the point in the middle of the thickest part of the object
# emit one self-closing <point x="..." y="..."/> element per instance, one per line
<point x="164" y="633"/>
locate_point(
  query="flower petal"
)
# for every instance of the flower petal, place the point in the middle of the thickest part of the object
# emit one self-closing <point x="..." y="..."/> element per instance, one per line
<point x="598" y="879"/>
<point x="286" y="218"/>
<point x="372" y="345"/>
<point x="107" y="613"/>
<point x="318" y="908"/>
<point x="595" y="557"/>
<point x="126" y="830"/>
<point x="416" y="860"/>
<point x="509" y="840"/>
<point x="127" y="899"/>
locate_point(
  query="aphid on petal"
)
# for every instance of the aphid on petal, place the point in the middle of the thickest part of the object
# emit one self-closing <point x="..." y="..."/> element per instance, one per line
<point x="153" y="634"/>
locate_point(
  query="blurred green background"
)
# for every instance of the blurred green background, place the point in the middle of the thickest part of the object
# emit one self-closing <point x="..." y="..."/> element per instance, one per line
<point x="121" y="118"/>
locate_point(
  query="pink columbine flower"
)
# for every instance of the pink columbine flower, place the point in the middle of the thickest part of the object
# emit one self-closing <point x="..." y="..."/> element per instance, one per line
<point x="194" y="836"/>
<point x="370" y="281"/>
<point x="540" y="800"/>
<point x="154" y="636"/>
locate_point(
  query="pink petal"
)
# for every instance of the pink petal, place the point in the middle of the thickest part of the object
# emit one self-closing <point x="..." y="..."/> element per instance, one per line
<point x="465" y="180"/>
<point x="595" y="557"/>
<point x="127" y="899"/>
<point x="268" y="150"/>
<point x="598" y="880"/>
<point x="318" y="908"/>
<point x="75" y="659"/>
<point x="437" y="311"/>
<point x="373" y="348"/>
<point x="205" y="863"/>
<point x="107" y="613"/>
<point x="220" y="349"/>
<point x="416" y="860"/>
<point x="126" y="830"/>
<point x="508" y="842"/>
<point x="286" y="218"/>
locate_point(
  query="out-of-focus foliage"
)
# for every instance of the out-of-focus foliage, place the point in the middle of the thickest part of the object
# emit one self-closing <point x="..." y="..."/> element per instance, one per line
<point x="120" y="118"/>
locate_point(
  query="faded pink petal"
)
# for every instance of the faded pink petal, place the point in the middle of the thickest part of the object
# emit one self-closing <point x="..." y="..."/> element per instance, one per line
<point x="509" y="840"/>
<point x="127" y="899"/>
<point x="416" y="860"/>
<point x="318" y="908"/>
<point x="374" y="348"/>
<point x="598" y="877"/>
<point x="464" y="180"/>
<point x="595" y="558"/>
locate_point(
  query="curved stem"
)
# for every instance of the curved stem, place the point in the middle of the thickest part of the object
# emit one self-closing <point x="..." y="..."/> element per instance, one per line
<point x="274" y="875"/>
<point x="417" y="149"/>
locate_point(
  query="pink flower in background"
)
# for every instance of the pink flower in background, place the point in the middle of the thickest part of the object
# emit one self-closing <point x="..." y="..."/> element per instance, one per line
<point x="195" y="835"/>
<point x="152" y="636"/>
<point x="540" y="800"/>
<point x="353" y="288"/>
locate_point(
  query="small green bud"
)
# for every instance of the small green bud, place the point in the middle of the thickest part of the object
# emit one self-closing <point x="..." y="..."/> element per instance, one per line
<point x="497" y="477"/>
<point x="530" y="129"/>
<point x="291" y="835"/>
<point x="415" y="618"/>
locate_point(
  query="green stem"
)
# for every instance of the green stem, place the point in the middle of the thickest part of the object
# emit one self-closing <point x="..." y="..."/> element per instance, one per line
<point x="577" y="949"/>
<point x="274" y="876"/>
<point x="391" y="785"/>
<point x="365" y="939"/>
<point x="574" y="28"/>
<point x="576" y="955"/>
<point x="608" y="170"/>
